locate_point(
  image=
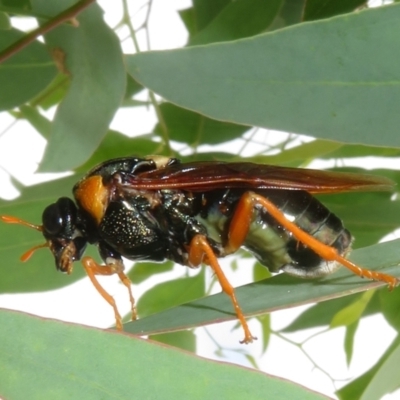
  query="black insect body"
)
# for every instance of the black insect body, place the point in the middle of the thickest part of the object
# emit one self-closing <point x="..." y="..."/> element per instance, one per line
<point x="157" y="208"/>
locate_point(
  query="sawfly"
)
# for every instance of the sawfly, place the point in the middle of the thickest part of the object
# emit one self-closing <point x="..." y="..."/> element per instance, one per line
<point x="157" y="208"/>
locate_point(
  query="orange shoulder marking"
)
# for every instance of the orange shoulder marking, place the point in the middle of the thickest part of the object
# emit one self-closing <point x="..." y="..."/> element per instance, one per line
<point x="92" y="196"/>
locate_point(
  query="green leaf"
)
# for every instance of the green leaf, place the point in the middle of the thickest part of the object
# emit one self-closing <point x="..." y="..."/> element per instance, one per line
<point x="265" y="321"/>
<point x="279" y="292"/>
<point x="390" y="307"/>
<point x="316" y="9"/>
<point x="170" y="294"/>
<point x="44" y="359"/>
<point x="5" y="22"/>
<point x="18" y="4"/>
<point x="290" y="13"/>
<point x="357" y="150"/>
<point x="37" y="120"/>
<point x="91" y="54"/>
<point x="207" y="10"/>
<point x="260" y="272"/>
<point x="188" y="18"/>
<point x="132" y="87"/>
<point x="53" y="93"/>
<point x="320" y="314"/>
<point x="26" y="73"/>
<point x="144" y="270"/>
<point x="349" y="340"/>
<point x="192" y="128"/>
<point x="115" y="144"/>
<point x="301" y="155"/>
<point x="185" y="340"/>
<point x="335" y="79"/>
<point x="353" y="312"/>
<point x="239" y="19"/>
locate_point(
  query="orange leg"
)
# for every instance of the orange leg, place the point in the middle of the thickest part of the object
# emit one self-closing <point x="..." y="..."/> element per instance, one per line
<point x="92" y="269"/>
<point x="240" y="226"/>
<point x="199" y="251"/>
<point x="240" y="223"/>
<point x="128" y="284"/>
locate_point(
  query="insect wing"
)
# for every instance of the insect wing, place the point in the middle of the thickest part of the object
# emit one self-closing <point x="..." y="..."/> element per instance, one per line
<point x="203" y="176"/>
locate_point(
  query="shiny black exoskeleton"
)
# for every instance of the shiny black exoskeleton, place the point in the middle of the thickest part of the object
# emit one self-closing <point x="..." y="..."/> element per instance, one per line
<point x="157" y="208"/>
<point x="158" y="224"/>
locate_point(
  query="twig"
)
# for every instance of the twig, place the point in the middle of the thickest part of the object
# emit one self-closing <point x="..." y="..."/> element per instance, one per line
<point x="64" y="16"/>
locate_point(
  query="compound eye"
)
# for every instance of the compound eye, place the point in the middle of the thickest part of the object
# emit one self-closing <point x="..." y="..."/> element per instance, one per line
<point x="59" y="218"/>
<point x="52" y="219"/>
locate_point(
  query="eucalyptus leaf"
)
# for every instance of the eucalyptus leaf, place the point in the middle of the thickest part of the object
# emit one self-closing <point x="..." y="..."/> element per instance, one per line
<point x="171" y="293"/>
<point x="320" y="314"/>
<point x="333" y="78"/>
<point x="26" y="73"/>
<point x="43" y="359"/>
<point x="316" y="9"/>
<point x="279" y="292"/>
<point x="91" y="54"/>
<point x="239" y="19"/>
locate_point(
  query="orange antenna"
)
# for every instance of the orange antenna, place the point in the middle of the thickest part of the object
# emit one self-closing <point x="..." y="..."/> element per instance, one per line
<point x="14" y="220"/>
<point x="28" y="254"/>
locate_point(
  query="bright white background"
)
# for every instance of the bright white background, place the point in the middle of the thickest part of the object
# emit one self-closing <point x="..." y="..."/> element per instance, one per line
<point x="81" y="303"/>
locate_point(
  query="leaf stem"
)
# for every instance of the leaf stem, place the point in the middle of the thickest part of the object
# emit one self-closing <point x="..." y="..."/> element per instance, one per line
<point x="64" y="16"/>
